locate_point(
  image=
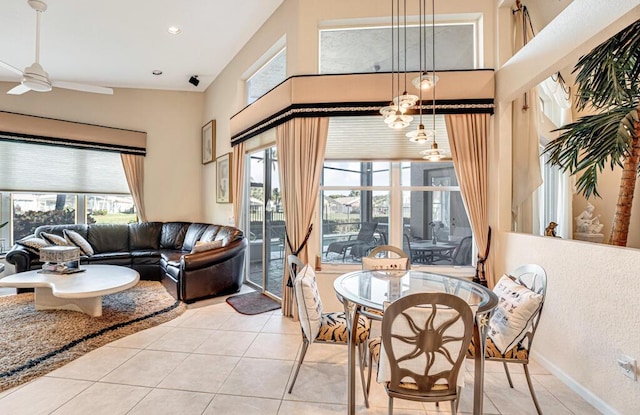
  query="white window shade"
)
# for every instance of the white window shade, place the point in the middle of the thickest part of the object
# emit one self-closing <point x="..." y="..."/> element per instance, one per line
<point x="43" y="168"/>
<point x="369" y="138"/>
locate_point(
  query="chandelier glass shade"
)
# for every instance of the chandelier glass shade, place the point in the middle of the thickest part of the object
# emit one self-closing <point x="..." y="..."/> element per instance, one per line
<point x="425" y="81"/>
<point x="433" y="153"/>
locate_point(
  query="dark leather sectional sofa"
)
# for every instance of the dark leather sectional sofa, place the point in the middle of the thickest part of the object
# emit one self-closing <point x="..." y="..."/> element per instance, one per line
<point x="161" y="252"/>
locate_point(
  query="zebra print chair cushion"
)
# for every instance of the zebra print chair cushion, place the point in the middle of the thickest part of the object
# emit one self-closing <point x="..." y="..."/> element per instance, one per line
<point x="518" y="352"/>
<point x="333" y="329"/>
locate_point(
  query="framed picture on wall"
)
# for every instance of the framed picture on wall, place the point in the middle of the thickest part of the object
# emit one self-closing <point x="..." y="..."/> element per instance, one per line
<point x="223" y="183"/>
<point x="209" y="142"/>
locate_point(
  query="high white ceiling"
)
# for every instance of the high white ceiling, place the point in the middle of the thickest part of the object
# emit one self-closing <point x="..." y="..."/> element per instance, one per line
<point x="118" y="43"/>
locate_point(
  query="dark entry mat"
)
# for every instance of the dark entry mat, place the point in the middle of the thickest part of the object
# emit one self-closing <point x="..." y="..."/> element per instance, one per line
<point x="252" y="303"/>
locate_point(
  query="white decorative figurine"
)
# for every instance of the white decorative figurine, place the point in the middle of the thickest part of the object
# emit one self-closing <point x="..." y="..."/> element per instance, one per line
<point x="587" y="223"/>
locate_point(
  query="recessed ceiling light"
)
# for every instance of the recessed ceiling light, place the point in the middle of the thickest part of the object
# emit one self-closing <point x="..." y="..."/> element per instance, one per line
<point x="174" y="30"/>
<point x="157" y="72"/>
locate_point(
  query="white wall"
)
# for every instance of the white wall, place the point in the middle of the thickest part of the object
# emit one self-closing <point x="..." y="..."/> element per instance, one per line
<point x="590" y="316"/>
<point x="172" y="121"/>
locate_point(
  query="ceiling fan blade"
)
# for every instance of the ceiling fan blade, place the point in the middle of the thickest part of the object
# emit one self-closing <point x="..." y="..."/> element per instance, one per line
<point x="10" y="68"/>
<point x="18" y="90"/>
<point x="83" y="87"/>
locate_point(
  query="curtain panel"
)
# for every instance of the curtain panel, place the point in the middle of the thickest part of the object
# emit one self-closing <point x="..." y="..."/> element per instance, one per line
<point x="238" y="182"/>
<point x="468" y="138"/>
<point x="134" y="171"/>
<point x="301" y="145"/>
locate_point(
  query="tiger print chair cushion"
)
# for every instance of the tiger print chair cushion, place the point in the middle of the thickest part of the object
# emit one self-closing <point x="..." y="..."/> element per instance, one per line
<point x="333" y="329"/>
<point x="374" y="348"/>
<point x="518" y="352"/>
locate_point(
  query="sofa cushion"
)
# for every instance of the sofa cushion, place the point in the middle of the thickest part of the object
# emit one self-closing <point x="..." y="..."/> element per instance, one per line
<point x="210" y="233"/>
<point x="59" y="229"/>
<point x="228" y="234"/>
<point x="54" y="239"/>
<point x="76" y="239"/>
<point x="172" y="235"/>
<point x="206" y="246"/>
<point x="109" y="237"/>
<point x="33" y="244"/>
<point x="144" y="235"/>
<point x="194" y="232"/>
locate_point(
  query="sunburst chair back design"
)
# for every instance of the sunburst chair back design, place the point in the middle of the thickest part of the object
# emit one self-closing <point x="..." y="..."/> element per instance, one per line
<point x="424" y="340"/>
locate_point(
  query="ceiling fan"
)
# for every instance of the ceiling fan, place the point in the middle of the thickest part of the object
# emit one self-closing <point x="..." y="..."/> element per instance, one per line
<point x="34" y="77"/>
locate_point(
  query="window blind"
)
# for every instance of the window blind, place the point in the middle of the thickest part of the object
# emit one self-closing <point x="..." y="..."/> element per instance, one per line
<point x="369" y="138"/>
<point x="42" y="168"/>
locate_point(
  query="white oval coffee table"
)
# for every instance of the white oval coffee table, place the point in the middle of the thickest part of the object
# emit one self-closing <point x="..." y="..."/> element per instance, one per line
<point x="81" y="291"/>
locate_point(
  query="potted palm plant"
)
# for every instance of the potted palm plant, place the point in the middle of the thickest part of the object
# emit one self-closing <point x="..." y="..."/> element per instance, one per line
<point x="607" y="81"/>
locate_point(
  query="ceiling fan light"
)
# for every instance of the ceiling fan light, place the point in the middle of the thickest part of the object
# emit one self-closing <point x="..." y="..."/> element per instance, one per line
<point x="36" y="79"/>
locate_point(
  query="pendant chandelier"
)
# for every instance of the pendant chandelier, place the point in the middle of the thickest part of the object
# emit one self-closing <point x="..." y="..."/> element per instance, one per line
<point x="433" y="153"/>
<point x="395" y="114"/>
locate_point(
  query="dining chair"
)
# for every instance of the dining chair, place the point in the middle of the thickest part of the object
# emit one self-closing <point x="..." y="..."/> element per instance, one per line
<point x="527" y="283"/>
<point x="317" y="326"/>
<point x="386" y="257"/>
<point x="424" y="340"/>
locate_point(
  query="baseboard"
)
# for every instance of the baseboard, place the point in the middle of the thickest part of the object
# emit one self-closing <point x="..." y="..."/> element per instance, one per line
<point x="584" y="393"/>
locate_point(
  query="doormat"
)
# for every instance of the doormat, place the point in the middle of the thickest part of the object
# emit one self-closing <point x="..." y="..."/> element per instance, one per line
<point x="252" y="303"/>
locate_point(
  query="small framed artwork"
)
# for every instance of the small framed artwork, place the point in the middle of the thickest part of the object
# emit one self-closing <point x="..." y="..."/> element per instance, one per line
<point x="209" y="142"/>
<point x="224" y="166"/>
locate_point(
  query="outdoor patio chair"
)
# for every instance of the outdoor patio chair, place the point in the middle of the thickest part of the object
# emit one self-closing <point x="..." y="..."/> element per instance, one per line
<point x="364" y="238"/>
<point x="461" y="255"/>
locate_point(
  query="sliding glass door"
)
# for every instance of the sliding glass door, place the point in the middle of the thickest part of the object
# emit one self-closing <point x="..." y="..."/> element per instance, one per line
<point x="266" y="223"/>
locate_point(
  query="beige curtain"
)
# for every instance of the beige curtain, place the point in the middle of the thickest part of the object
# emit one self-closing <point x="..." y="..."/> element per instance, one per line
<point x="134" y="171"/>
<point x="468" y="138"/>
<point x="237" y="190"/>
<point x="526" y="142"/>
<point x="301" y="144"/>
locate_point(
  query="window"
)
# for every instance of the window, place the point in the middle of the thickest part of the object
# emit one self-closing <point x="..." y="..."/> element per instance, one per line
<point x="425" y="213"/>
<point x="367" y="49"/>
<point x="47" y="184"/>
<point x="268" y="76"/>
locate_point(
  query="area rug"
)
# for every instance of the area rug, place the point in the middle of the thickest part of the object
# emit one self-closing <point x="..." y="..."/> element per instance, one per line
<point x="33" y="343"/>
<point x="252" y="303"/>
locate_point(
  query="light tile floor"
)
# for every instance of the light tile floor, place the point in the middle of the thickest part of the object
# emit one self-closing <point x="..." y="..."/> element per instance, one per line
<point x="212" y="360"/>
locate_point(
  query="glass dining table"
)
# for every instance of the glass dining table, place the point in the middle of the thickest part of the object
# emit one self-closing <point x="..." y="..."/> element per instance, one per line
<point x="372" y="289"/>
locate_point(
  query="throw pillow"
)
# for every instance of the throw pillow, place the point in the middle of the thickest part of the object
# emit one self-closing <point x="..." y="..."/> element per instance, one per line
<point x="309" y="303"/>
<point x="399" y="264"/>
<point x="76" y="239"/>
<point x="54" y="239"/>
<point x="511" y="318"/>
<point x="206" y="246"/>
<point x="33" y="244"/>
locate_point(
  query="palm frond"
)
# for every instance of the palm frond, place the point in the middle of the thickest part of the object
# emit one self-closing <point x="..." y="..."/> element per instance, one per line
<point x="608" y="75"/>
<point x="587" y="145"/>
